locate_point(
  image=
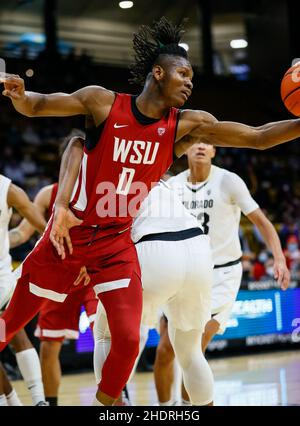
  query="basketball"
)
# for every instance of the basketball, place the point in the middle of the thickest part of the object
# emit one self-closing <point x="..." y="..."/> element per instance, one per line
<point x="290" y="89"/>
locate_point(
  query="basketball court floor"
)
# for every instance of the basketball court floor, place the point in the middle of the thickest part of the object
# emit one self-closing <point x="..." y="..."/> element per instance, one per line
<point x="263" y="379"/>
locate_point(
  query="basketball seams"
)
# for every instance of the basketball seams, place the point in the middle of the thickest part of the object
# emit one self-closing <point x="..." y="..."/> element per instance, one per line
<point x="289" y="94"/>
<point x="290" y="91"/>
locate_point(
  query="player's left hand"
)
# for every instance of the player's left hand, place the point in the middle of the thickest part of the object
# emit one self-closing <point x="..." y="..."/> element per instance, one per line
<point x="14" y="87"/>
<point x="63" y="221"/>
<point x="83" y="275"/>
<point x="281" y="273"/>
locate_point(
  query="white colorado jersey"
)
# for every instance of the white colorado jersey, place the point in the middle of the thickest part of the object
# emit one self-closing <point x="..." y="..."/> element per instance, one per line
<point x="5" y="215"/>
<point x="217" y="204"/>
<point x="162" y="211"/>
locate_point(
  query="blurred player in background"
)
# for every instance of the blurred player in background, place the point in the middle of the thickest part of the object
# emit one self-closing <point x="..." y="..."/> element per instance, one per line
<point x="57" y="321"/>
<point x="216" y="198"/>
<point x="11" y="196"/>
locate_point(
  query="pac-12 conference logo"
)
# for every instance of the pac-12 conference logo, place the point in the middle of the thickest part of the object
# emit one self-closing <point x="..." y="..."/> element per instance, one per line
<point x="161" y="131"/>
<point x="249" y="309"/>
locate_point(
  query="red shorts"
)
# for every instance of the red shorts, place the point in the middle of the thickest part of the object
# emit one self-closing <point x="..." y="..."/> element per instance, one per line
<point x="59" y="321"/>
<point x="111" y="261"/>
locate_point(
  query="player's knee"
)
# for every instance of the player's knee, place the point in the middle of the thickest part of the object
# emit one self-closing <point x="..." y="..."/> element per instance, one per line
<point x="164" y="353"/>
<point x="20" y="342"/>
<point x="199" y="381"/>
<point x="127" y="345"/>
<point x="49" y="350"/>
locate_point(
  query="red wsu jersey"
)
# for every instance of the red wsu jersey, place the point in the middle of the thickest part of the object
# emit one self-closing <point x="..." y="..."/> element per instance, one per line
<point x="52" y="200"/>
<point x="128" y="158"/>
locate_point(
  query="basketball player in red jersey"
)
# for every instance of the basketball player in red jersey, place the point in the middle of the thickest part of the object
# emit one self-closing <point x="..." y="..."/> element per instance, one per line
<point x="132" y="147"/>
<point x="57" y="321"/>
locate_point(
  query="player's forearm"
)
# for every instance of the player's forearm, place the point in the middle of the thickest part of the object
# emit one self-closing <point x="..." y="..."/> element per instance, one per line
<point x="16" y="238"/>
<point x="22" y="233"/>
<point x="271" y="239"/>
<point x="69" y="170"/>
<point x="31" y="104"/>
<point x="273" y="134"/>
<point x="34" y="104"/>
<point x="34" y="217"/>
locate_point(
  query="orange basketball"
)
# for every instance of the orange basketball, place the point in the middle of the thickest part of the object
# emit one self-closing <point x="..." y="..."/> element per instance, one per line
<point x="290" y="89"/>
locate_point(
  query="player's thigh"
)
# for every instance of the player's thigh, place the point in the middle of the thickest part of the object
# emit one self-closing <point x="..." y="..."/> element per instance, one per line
<point x="191" y="308"/>
<point x="163" y="268"/>
<point x="58" y="321"/>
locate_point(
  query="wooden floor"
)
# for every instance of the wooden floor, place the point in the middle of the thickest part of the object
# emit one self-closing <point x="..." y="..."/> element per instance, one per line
<point x="264" y="379"/>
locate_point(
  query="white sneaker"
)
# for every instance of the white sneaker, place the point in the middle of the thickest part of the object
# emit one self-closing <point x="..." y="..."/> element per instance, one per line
<point x="42" y="404"/>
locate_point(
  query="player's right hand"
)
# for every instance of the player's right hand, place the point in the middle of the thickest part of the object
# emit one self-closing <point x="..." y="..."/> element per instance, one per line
<point x="63" y="221"/>
<point x="14" y="87"/>
<point x="281" y="273"/>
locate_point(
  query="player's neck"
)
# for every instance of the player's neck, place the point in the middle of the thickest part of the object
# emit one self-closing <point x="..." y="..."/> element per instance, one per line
<point x="151" y="104"/>
<point x="199" y="173"/>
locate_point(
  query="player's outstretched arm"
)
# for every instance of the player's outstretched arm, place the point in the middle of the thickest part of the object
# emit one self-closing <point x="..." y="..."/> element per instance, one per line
<point x="269" y="234"/>
<point x="64" y="219"/>
<point x="204" y="126"/>
<point x="18" y="199"/>
<point x="89" y="100"/>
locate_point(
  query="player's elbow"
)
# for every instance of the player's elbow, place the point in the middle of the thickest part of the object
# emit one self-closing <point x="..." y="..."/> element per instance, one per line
<point x="29" y="114"/>
<point x="77" y="142"/>
<point x="263" y="140"/>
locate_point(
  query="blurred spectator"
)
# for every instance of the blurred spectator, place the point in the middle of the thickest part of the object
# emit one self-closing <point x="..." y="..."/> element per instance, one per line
<point x="30" y="136"/>
<point x="14" y="172"/>
<point x="259" y="270"/>
<point x="28" y="166"/>
<point x="287" y="230"/>
<point x="292" y="254"/>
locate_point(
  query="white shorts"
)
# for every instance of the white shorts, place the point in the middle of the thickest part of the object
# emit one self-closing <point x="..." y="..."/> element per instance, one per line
<point x="177" y="276"/>
<point x="7" y="285"/>
<point x="226" y="285"/>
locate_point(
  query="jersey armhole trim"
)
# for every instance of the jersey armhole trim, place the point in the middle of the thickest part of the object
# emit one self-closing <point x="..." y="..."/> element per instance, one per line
<point x="175" y="133"/>
<point x="93" y="134"/>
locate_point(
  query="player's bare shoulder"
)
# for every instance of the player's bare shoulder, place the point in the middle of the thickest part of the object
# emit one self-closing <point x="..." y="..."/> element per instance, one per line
<point x="194" y="122"/>
<point x="192" y="125"/>
<point x="43" y="197"/>
<point x="97" y="100"/>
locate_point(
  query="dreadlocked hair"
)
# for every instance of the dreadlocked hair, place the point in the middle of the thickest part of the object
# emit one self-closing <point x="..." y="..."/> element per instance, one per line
<point x="150" y="42"/>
